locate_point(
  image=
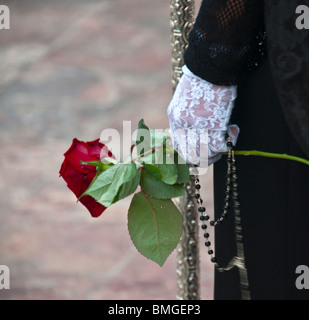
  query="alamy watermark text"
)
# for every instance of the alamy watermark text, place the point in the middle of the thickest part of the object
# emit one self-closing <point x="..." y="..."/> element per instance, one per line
<point x="4" y="17"/>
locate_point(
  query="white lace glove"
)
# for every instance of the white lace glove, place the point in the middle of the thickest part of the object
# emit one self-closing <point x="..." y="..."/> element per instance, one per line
<point x="199" y="113"/>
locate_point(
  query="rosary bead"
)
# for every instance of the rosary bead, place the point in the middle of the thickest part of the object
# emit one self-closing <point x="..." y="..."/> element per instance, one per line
<point x="237" y="212"/>
<point x="236" y="205"/>
<point x="207" y="243"/>
<point x="244" y="286"/>
<point x="230" y="200"/>
<point x="235" y="184"/>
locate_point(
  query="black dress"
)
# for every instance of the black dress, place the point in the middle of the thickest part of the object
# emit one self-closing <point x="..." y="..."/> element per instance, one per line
<point x="274" y="197"/>
<point x="274" y="193"/>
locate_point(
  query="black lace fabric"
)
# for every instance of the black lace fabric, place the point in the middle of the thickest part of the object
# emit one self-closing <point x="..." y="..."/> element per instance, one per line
<point x="288" y="50"/>
<point x="228" y="39"/>
<point x="224" y="39"/>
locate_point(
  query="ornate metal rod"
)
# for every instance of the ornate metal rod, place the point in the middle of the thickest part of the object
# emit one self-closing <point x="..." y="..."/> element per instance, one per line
<point x="188" y="271"/>
<point x="182" y="20"/>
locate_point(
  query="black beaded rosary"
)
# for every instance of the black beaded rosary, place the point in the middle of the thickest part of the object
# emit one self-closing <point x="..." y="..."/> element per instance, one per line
<point x="231" y="192"/>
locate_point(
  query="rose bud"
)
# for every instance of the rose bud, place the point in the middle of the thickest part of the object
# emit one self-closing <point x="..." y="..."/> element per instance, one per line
<point x="78" y="176"/>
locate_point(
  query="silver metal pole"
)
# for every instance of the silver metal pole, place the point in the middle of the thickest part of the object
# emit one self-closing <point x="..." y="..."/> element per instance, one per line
<point x="188" y="271"/>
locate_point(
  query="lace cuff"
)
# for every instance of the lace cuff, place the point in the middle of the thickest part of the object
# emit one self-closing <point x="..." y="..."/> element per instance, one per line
<point x="203" y="106"/>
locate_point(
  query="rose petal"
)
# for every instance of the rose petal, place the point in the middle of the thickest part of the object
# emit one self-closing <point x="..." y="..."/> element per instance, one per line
<point x="67" y="171"/>
<point x="94" y="148"/>
<point x="94" y="207"/>
<point x="79" y="152"/>
<point x="89" y="177"/>
<point x="78" y="176"/>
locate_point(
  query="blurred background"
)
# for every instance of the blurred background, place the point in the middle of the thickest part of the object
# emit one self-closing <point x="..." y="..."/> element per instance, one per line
<point x="72" y="68"/>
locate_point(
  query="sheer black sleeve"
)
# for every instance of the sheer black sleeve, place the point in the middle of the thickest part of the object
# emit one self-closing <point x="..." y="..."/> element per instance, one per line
<point x="224" y="39"/>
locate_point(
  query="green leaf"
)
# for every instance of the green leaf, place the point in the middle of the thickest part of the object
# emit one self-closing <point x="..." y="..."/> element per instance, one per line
<point x="143" y="138"/>
<point x="168" y="173"/>
<point x="153" y="170"/>
<point x="155" y="226"/>
<point x="158" y="137"/>
<point x="128" y="187"/>
<point x="114" y="184"/>
<point x="183" y="173"/>
<point x="162" y="166"/>
<point x="142" y="125"/>
<point x="158" y="189"/>
<point x="167" y="166"/>
<point x="102" y="182"/>
<point x="161" y="171"/>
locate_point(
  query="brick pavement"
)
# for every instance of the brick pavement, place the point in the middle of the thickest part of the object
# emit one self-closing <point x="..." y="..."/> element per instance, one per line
<point x="72" y="68"/>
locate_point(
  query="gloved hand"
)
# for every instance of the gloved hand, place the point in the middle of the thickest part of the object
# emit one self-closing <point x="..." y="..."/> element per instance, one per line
<point x="199" y="107"/>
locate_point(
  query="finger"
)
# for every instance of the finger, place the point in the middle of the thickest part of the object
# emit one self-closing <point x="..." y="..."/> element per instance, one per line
<point x="233" y="132"/>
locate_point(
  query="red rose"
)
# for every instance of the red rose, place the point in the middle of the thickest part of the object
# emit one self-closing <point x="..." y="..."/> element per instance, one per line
<point x="78" y="176"/>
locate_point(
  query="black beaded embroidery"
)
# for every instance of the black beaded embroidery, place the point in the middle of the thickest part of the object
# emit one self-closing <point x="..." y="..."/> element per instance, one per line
<point x="259" y="52"/>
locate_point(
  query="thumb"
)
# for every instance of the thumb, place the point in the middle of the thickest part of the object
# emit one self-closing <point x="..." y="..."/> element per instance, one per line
<point x="233" y="132"/>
